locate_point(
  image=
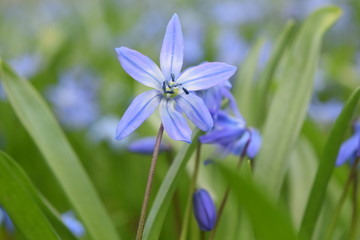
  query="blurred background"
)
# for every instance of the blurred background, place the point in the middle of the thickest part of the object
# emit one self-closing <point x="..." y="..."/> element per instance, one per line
<point x="66" y="49"/>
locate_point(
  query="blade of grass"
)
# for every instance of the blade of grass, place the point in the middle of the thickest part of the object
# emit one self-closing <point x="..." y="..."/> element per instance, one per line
<point x="268" y="221"/>
<point x="326" y="166"/>
<point x="37" y="118"/>
<point x="19" y="203"/>
<point x="288" y="108"/>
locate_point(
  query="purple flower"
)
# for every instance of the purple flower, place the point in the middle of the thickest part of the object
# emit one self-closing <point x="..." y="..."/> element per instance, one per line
<point x="350" y="149"/>
<point x="173" y="91"/>
<point x="146" y="146"/>
<point x="74" y="225"/>
<point x="204" y="210"/>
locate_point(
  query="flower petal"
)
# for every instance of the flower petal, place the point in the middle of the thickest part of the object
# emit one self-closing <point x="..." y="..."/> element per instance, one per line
<point x="174" y="123"/>
<point x="222" y="136"/>
<point x="146" y="146"/>
<point x="172" y="51"/>
<point x="140" y="67"/>
<point x="204" y="210"/>
<point x="139" y="110"/>
<point x="196" y="110"/>
<point x="348" y="149"/>
<point x="206" y="75"/>
<point x="255" y="143"/>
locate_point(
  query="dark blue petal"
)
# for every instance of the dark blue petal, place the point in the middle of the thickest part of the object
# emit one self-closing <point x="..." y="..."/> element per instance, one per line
<point x="195" y="109"/>
<point x="140" y="67"/>
<point x="222" y="136"/>
<point x="172" y="51"/>
<point x="204" y="210"/>
<point x="348" y="149"/>
<point x="139" y="110"/>
<point x="146" y="146"/>
<point x="206" y="75"/>
<point x="240" y="144"/>
<point x="174" y="123"/>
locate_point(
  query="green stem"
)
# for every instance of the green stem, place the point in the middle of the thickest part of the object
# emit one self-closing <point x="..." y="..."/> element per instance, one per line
<point x="342" y="200"/>
<point x="176" y="199"/>
<point x="185" y="226"/>
<point x="354" y="209"/>
<point x="145" y="204"/>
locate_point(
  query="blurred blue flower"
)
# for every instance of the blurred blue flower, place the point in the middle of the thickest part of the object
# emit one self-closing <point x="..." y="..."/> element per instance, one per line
<point x="350" y="149"/>
<point x="231" y="47"/>
<point x="327" y="112"/>
<point x="146" y="146"/>
<point x="204" y="210"/>
<point x="26" y="66"/>
<point x="238" y="12"/>
<point x="75" y="98"/>
<point x="74" y="225"/>
<point x="5" y="219"/>
<point x="173" y="91"/>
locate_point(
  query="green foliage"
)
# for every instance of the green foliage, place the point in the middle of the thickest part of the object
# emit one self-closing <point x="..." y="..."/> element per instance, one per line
<point x="45" y="131"/>
<point x="290" y="102"/>
<point x="326" y="166"/>
<point x="19" y="202"/>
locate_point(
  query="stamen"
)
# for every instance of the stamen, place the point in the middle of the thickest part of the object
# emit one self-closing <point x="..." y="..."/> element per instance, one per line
<point x="172" y="77"/>
<point x="186" y="91"/>
<point x="164" y="87"/>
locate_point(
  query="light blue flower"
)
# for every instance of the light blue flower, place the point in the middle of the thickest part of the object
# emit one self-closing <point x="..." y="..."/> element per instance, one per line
<point x="173" y="92"/>
<point x="350" y="149"/>
<point x="75" y="98"/>
<point x="204" y="210"/>
<point x="146" y="146"/>
<point x="74" y="225"/>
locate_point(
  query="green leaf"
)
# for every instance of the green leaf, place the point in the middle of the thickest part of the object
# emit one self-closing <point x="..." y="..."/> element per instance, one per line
<point x="268" y="221"/>
<point x="35" y="115"/>
<point x="326" y="166"/>
<point x="164" y="195"/>
<point x="289" y="106"/>
<point x="20" y="204"/>
<point x="244" y="87"/>
<point x="263" y="88"/>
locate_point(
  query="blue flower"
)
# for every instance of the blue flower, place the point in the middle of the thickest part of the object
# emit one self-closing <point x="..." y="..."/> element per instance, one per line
<point x="204" y="210"/>
<point x="232" y="134"/>
<point x="5" y="219"/>
<point x="350" y="149"/>
<point x="74" y="225"/>
<point x="146" y="146"/>
<point x="173" y="92"/>
<point x="75" y="98"/>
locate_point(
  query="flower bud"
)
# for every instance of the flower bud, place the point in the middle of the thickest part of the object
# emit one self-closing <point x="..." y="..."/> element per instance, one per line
<point x="204" y="210"/>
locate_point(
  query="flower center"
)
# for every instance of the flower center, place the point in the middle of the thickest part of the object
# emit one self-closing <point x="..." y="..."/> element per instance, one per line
<point x="171" y="88"/>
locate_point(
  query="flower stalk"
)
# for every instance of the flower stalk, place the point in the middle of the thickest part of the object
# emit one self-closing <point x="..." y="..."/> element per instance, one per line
<point x="145" y="204"/>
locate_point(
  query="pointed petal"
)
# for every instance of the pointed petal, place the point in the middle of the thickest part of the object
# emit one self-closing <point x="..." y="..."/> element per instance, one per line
<point x="139" y="110"/>
<point x="255" y="143"/>
<point x="174" y="123"/>
<point x="196" y="110"/>
<point x="222" y="136"/>
<point x="172" y="51"/>
<point x="206" y="75"/>
<point x="348" y="149"/>
<point x="140" y="67"/>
